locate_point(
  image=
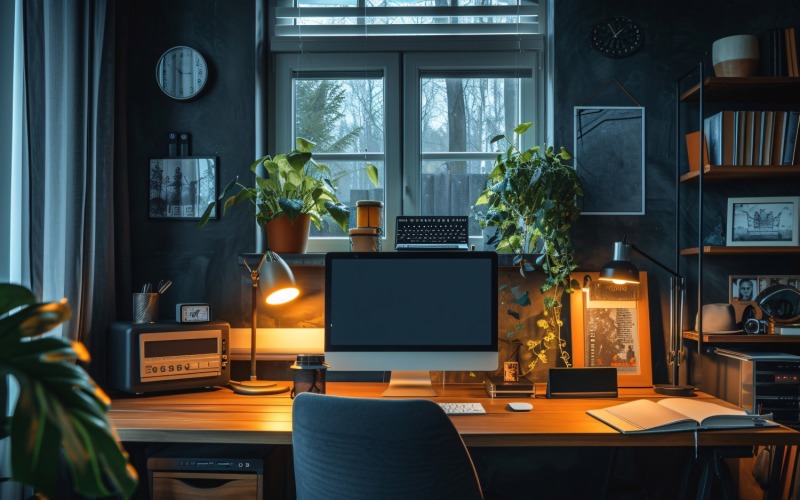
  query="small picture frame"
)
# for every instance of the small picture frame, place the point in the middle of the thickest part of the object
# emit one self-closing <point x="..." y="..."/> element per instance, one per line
<point x="181" y="187"/>
<point x="743" y="288"/>
<point x="510" y="371"/>
<point x="763" y="221"/>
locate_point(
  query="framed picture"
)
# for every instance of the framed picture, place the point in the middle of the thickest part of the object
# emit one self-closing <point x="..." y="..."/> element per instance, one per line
<point x="181" y="187"/>
<point x="763" y="221"/>
<point x="609" y="158"/>
<point x="742" y="288"/>
<point x="611" y="327"/>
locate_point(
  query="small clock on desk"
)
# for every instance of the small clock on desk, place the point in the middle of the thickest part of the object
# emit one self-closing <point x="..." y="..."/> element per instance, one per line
<point x="193" y="313"/>
<point x="617" y="36"/>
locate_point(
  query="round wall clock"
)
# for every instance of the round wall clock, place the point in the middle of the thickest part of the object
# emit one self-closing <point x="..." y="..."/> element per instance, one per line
<point x="181" y="72"/>
<point x="617" y="37"/>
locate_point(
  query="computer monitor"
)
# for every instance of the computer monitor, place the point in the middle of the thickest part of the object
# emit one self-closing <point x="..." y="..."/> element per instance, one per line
<point x="410" y="313"/>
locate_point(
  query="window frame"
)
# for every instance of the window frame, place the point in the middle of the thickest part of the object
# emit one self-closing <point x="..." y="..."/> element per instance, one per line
<point x="286" y="65"/>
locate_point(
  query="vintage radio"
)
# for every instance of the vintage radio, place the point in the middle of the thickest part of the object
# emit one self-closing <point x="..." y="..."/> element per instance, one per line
<point x="155" y="357"/>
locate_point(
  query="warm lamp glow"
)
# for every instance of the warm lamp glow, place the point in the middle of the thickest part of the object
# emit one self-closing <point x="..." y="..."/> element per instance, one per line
<point x="282" y="296"/>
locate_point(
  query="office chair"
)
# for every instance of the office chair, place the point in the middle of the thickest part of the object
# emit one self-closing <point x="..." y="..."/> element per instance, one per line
<point x="359" y="448"/>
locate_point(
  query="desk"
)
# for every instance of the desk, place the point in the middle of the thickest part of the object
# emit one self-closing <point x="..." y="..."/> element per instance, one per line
<point x="220" y="416"/>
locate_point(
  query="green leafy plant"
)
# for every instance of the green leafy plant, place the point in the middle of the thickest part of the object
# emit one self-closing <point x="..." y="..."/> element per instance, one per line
<point x="531" y="198"/>
<point x="60" y="408"/>
<point x="292" y="184"/>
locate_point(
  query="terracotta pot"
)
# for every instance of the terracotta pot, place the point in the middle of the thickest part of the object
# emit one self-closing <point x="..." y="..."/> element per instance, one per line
<point x="285" y="236"/>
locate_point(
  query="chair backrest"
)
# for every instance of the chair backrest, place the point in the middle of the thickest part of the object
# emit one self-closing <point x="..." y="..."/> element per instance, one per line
<point x="352" y="448"/>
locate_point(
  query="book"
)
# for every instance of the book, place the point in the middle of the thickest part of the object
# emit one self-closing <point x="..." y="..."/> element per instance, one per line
<point x="720" y="134"/>
<point x="693" y="151"/>
<point x="787" y="329"/>
<point x="792" y="122"/>
<point x="676" y="414"/>
<point x="778" y="131"/>
<point x="766" y="151"/>
<point x="496" y="387"/>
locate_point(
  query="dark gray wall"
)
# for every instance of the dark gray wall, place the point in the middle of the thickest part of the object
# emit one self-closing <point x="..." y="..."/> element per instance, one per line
<point x="203" y="263"/>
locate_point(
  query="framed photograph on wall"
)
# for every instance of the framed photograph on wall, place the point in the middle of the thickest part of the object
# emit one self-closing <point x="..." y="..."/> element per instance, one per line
<point x="763" y="221"/>
<point x="742" y="288"/>
<point x="611" y="327"/>
<point x="181" y="187"/>
<point x="609" y="158"/>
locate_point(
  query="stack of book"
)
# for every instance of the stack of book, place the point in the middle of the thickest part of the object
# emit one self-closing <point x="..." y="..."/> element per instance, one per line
<point x="747" y="138"/>
<point x="782" y="51"/>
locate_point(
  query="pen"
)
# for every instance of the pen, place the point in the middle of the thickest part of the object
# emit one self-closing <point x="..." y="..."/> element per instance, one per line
<point x="164" y="285"/>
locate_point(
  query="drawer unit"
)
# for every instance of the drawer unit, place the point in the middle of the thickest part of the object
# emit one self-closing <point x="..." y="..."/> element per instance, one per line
<point x="760" y="382"/>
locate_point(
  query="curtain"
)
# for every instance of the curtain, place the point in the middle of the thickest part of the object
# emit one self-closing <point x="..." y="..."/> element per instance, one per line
<point x="69" y="66"/>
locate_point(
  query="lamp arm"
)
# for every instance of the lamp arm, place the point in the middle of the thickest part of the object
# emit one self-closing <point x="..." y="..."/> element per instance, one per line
<point x="654" y="261"/>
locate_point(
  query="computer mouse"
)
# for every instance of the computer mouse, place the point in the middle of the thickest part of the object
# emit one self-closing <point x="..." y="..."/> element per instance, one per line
<point x="520" y="406"/>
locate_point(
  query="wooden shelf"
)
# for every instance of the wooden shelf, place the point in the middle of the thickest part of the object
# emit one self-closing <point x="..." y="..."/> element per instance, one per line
<point x="756" y="89"/>
<point x="721" y="173"/>
<point x="713" y="250"/>
<point x="742" y="338"/>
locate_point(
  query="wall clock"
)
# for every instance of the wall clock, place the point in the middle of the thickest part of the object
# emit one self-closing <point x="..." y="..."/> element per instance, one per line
<point x="617" y="37"/>
<point x="181" y="72"/>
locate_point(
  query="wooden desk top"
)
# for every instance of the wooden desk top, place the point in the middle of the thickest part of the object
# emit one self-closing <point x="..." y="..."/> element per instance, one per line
<point x="220" y="416"/>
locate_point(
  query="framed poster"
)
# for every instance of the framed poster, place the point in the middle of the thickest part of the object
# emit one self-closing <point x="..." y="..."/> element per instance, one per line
<point x="611" y="327"/>
<point x="763" y="221"/>
<point x="609" y="158"/>
<point x="181" y="187"/>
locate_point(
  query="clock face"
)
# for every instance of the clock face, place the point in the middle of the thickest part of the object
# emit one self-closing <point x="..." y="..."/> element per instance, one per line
<point x="182" y="72"/>
<point x="617" y="37"/>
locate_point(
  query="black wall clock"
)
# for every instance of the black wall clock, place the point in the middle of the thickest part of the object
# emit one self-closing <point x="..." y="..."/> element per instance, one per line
<point x="617" y="37"/>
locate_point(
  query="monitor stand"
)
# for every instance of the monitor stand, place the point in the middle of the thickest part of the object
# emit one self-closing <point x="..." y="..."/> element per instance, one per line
<point x="410" y="384"/>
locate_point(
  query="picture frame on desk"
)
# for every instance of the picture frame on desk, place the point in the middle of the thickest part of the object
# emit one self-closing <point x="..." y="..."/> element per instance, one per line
<point x="611" y="327"/>
<point x="763" y="221"/>
<point x="181" y="187"/>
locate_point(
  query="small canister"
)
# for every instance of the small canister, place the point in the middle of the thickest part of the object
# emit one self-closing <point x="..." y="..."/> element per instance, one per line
<point x="309" y="374"/>
<point x="368" y="213"/>
<point x="364" y="239"/>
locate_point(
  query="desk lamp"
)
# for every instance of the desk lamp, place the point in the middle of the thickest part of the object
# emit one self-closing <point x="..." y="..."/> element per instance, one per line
<point x="276" y="282"/>
<point x="619" y="271"/>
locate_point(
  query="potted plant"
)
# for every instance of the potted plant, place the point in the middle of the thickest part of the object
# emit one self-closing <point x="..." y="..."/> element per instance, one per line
<point x="60" y="410"/>
<point x="293" y="191"/>
<point x="531" y="199"/>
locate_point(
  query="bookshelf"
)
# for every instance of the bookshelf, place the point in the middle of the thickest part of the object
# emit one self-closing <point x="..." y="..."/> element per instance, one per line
<point x="698" y="98"/>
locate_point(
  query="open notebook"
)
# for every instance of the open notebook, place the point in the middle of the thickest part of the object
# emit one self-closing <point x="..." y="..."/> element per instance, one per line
<point x="676" y="414"/>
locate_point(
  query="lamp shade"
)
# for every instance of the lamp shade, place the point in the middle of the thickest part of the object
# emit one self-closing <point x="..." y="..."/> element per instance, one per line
<point x="276" y="281"/>
<point x="620" y="270"/>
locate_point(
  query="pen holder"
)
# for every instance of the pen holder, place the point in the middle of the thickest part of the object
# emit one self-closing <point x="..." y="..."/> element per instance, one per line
<point x="145" y="307"/>
<point x="309" y="374"/>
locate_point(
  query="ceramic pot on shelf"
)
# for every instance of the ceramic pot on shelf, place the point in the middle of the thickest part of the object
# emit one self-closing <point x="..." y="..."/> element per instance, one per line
<point x="735" y="55"/>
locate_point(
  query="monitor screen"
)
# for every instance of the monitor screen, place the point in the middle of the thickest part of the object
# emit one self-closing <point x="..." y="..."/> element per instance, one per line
<point x="411" y="311"/>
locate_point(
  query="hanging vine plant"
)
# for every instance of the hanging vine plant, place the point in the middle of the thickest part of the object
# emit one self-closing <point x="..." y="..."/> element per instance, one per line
<point x="532" y="199"/>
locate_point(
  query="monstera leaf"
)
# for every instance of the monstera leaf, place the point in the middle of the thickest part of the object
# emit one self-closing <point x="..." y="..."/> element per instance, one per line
<point x="60" y="408"/>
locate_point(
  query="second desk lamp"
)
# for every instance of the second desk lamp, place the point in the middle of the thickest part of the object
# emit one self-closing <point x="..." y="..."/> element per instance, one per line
<point x="621" y="270"/>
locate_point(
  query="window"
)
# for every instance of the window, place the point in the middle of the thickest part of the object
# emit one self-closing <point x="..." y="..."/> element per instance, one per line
<point x="422" y="109"/>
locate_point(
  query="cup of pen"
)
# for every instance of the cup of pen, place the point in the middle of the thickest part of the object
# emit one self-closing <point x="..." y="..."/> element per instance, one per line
<point x="145" y="307"/>
<point x="309" y="374"/>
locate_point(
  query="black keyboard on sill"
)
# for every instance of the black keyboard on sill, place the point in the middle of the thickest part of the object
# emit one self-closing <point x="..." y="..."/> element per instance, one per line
<point x="430" y="232"/>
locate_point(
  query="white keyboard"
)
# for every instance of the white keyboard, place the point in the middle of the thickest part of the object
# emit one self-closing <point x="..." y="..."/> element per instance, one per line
<point x="463" y="408"/>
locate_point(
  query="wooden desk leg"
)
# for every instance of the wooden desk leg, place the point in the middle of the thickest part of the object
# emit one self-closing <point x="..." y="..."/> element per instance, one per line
<point x="777" y="473"/>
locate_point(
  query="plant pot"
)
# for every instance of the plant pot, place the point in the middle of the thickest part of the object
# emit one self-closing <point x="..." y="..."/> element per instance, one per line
<point x="735" y="56"/>
<point x="285" y="236"/>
